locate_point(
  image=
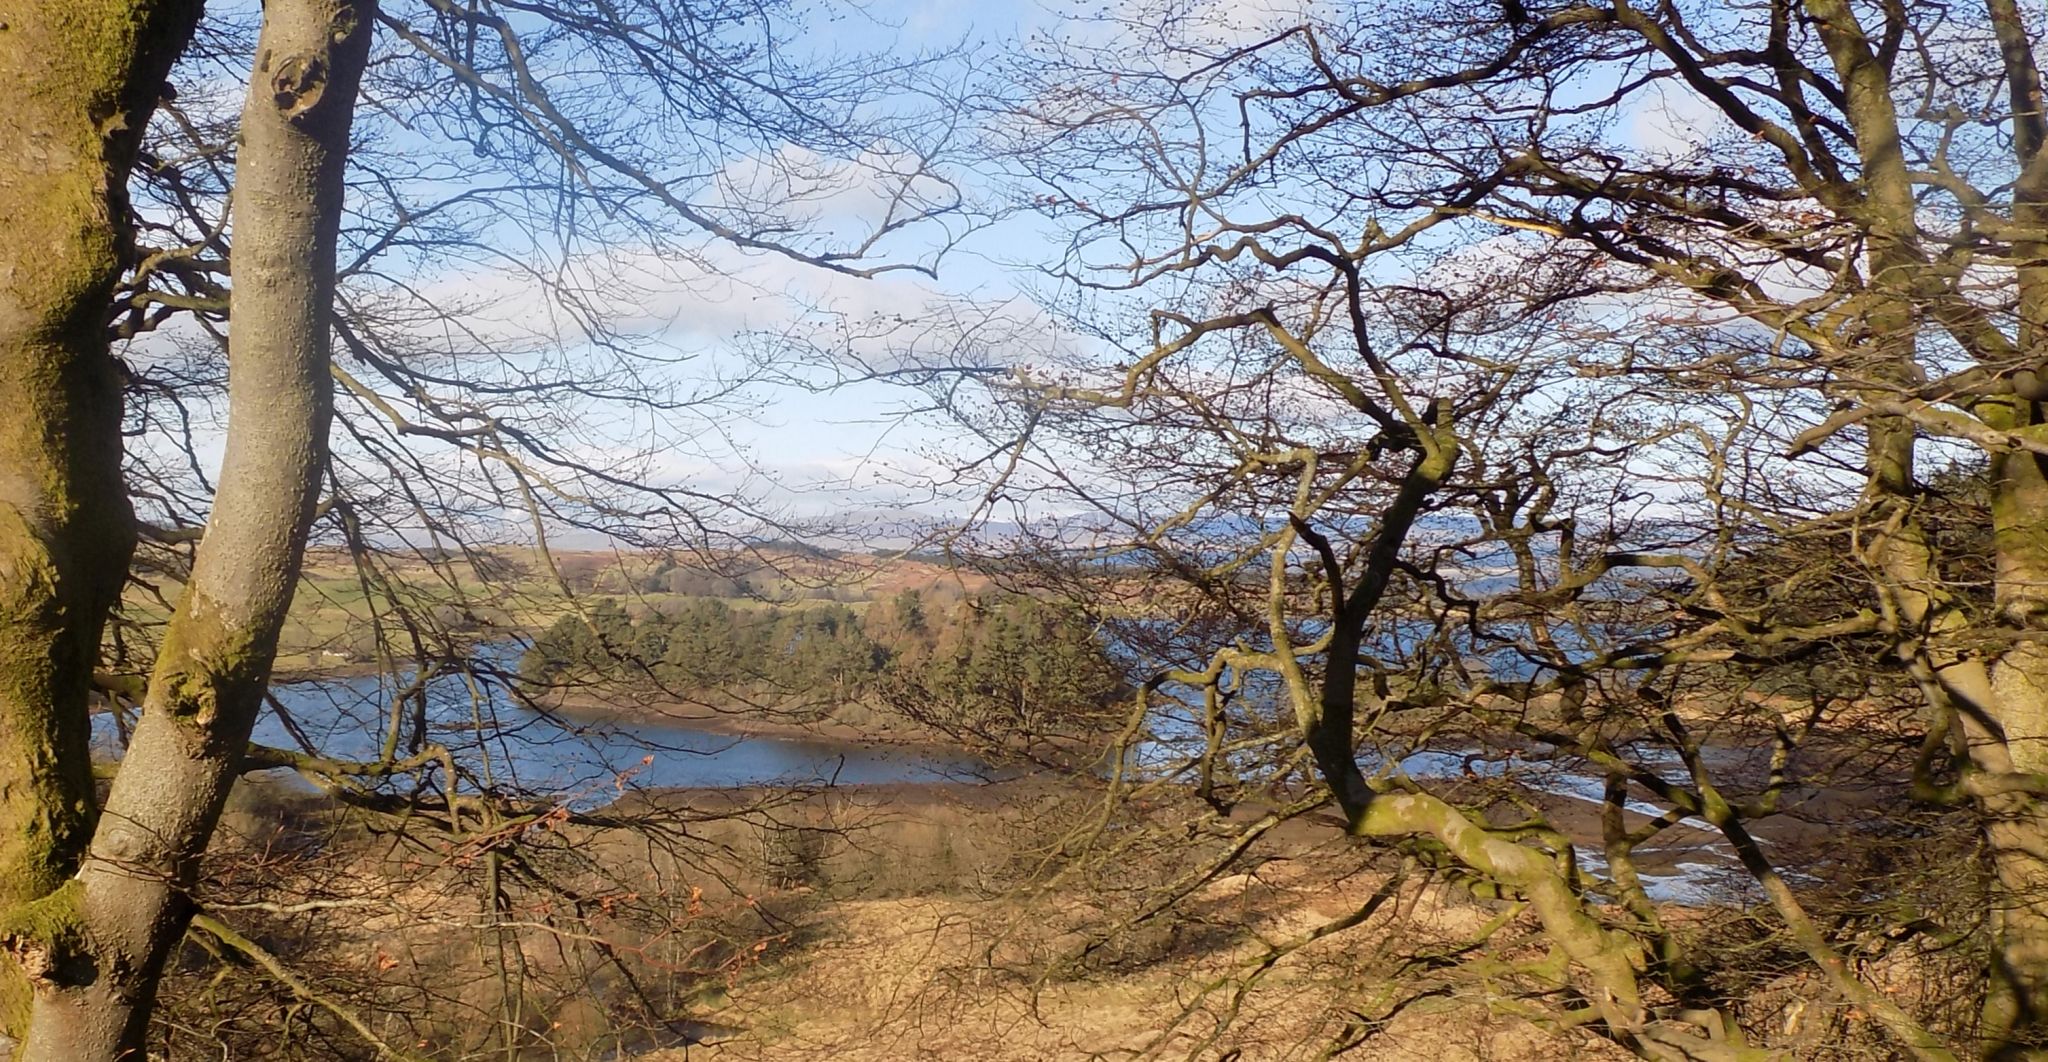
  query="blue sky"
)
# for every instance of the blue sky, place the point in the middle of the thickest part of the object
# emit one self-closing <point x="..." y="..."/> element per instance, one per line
<point x="813" y="442"/>
<point x="851" y="447"/>
<point x="847" y="449"/>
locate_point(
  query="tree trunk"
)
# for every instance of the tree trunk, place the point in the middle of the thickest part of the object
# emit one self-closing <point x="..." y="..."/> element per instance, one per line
<point x="2017" y="1007"/>
<point x="2003" y="713"/>
<point x="78" y="81"/>
<point x="2016" y="823"/>
<point x="129" y="900"/>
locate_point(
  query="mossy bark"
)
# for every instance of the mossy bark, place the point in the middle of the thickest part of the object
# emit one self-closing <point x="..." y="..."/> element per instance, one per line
<point x="78" y="81"/>
<point x="210" y="674"/>
<point x="2016" y="823"/>
<point x="2017" y="1010"/>
<point x="1998" y="698"/>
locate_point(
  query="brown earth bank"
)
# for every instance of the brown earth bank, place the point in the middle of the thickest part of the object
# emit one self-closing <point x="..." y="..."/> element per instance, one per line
<point x="928" y="930"/>
<point x="844" y="724"/>
<point x="1016" y="919"/>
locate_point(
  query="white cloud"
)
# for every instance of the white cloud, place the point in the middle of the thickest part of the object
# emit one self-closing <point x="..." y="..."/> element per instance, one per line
<point x="1669" y="125"/>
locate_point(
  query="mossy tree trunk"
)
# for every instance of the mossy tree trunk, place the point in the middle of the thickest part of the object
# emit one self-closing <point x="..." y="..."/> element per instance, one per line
<point x="2019" y="997"/>
<point x="78" y="81"/>
<point x="1997" y="697"/>
<point x="130" y="902"/>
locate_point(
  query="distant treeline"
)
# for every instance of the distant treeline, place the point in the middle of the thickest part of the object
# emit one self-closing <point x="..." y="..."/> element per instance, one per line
<point x="983" y="662"/>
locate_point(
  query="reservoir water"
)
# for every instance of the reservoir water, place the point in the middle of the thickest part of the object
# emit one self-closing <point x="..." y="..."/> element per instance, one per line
<point x="504" y="745"/>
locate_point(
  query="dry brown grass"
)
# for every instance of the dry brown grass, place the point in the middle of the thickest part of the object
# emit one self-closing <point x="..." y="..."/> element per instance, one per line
<point x="950" y="978"/>
<point x="917" y="922"/>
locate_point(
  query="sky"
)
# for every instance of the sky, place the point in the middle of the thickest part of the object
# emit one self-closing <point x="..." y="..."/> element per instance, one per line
<point x="848" y="449"/>
<point x="802" y="451"/>
<point x="852" y="447"/>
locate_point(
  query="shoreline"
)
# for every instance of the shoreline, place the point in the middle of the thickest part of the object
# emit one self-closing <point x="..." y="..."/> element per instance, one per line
<point x="742" y="721"/>
<point x="1681" y="849"/>
<point x="1067" y="751"/>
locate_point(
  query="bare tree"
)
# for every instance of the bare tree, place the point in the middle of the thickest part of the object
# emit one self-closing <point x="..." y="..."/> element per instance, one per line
<point x="128" y="896"/>
<point x="1474" y="364"/>
<point x="677" y="129"/>
<point x="81" y="82"/>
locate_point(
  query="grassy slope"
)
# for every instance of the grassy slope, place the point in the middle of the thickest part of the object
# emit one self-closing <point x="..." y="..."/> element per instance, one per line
<point x="331" y="620"/>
